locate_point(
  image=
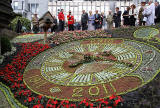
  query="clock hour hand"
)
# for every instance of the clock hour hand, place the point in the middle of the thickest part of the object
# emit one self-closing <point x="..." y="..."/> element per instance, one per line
<point x="102" y="56"/>
<point x="87" y="58"/>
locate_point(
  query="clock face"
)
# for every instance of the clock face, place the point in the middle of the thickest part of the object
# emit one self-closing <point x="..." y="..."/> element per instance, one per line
<point x="92" y="68"/>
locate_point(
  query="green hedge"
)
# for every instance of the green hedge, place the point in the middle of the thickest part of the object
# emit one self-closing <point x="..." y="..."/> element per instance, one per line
<point x="24" y="21"/>
<point x="5" y="45"/>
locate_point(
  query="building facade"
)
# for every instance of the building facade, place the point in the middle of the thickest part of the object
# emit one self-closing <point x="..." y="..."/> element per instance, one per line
<point x="30" y="7"/>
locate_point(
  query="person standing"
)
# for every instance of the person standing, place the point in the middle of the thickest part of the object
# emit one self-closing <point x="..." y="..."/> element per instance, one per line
<point x="19" y="26"/>
<point x="149" y="14"/>
<point x="117" y="18"/>
<point x="140" y="14"/>
<point x="84" y="20"/>
<point x="35" y="23"/>
<point x="54" y="25"/>
<point x="126" y="17"/>
<point x="61" y="20"/>
<point x="157" y="12"/>
<point x="97" y="20"/>
<point x="133" y="14"/>
<point x="70" y="22"/>
<point x="91" y="21"/>
<point x="103" y="21"/>
<point x="109" y="20"/>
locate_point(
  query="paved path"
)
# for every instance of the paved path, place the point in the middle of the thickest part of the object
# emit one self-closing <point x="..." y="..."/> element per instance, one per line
<point x="3" y="101"/>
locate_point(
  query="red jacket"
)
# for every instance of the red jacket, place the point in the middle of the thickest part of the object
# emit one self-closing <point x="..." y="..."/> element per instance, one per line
<point x="61" y="16"/>
<point x="70" y="19"/>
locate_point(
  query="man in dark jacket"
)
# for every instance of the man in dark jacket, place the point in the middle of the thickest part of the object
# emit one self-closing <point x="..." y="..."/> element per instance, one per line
<point x="157" y="12"/>
<point x="54" y="25"/>
<point x="97" y="20"/>
<point x="117" y="18"/>
<point x="84" y="20"/>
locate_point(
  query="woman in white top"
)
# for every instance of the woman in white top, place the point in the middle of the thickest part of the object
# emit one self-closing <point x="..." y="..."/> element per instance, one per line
<point x="91" y="21"/>
<point x="133" y="15"/>
<point x="149" y="14"/>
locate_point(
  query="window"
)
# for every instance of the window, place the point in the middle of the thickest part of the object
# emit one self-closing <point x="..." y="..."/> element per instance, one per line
<point x="15" y="5"/>
<point x="22" y="5"/>
<point x="33" y="8"/>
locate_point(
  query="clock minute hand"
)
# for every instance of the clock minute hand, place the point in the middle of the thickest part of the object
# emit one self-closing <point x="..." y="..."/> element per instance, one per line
<point x="106" y="56"/>
<point x="86" y="59"/>
<point x="100" y="57"/>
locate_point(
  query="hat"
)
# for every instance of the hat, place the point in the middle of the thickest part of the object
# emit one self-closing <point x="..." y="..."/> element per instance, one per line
<point x="143" y="1"/>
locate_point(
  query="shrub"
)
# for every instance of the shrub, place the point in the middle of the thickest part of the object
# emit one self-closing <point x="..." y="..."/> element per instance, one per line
<point x="24" y="21"/>
<point x="5" y="45"/>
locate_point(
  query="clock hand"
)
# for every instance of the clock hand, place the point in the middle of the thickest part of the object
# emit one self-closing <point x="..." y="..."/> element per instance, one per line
<point x="86" y="59"/>
<point x="105" y="56"/>
<point x="100" y="57"/>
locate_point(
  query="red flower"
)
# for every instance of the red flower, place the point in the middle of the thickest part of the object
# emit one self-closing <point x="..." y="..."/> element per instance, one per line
<point x="72" y="105"/>
<point x="39" y="97"/>
<point x="38" y="106"/>
<point x="25" y="101"/>
<point x="91" y="105"/>
<point x="116" y="102"/>
<point x="86" y="104"/>
<point x="49" y="106"/>
<point x="29" y="99"/>
<point x="112" y="97"/>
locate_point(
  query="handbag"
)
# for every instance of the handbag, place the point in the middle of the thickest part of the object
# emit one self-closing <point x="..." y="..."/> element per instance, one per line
<point x="145" y="19"/>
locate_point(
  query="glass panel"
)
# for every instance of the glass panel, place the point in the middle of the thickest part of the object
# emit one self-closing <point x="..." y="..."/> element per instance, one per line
<point x="16" y="5"/>
<point x="33" y="8"/>
<point x="50" y="9"/>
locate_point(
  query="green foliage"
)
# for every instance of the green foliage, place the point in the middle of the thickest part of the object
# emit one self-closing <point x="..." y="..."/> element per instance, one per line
<point x="24" y="21"/>
<point x="5" y="45"/>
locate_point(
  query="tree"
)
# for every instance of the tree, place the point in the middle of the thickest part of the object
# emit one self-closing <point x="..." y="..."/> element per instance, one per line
<point x="6" y="13"/>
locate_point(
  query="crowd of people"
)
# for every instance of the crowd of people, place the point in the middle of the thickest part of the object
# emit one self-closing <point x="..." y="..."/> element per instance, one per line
<point x="148" y="14"/>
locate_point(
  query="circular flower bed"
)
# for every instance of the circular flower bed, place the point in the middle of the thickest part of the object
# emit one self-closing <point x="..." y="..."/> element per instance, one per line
<point x="112" y="54"/>
<point x="147" y="33"/>
<point x="12" y="75"/>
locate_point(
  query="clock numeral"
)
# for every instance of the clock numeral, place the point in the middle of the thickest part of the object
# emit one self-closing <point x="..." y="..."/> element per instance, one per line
<point x="55" y="89"/>
<point x="77" y="92"/>
<point x="91" y="91"/>
<point x="105" y="89"/>
<point x="34" y="79"/>
<point x="37" y="81"/>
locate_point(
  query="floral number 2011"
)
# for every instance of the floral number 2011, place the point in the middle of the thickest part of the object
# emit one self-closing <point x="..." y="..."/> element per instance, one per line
<point x="77" y="92"/>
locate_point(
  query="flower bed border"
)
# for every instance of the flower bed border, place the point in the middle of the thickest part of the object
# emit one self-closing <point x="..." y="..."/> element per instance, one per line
<point x="150" y="37"/>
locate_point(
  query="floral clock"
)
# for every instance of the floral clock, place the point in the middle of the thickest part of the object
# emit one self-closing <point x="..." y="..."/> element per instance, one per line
<point x="147" y="33"/>
<point x="92" y="68"/>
